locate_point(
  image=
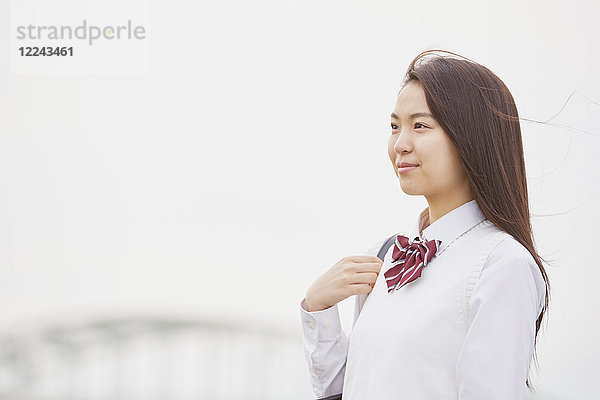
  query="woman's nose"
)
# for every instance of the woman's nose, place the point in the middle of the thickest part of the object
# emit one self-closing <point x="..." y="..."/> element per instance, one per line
<point x="403" y="143"/>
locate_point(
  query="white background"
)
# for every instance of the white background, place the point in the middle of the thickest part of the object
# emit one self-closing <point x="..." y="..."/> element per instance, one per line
<point x="252" y="156"/>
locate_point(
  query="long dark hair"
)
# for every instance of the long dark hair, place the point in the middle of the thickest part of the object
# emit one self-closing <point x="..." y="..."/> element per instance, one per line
<point x="479" y="114"/>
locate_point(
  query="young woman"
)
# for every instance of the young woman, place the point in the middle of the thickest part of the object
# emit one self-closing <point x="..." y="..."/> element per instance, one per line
<point x="454" y="308"/>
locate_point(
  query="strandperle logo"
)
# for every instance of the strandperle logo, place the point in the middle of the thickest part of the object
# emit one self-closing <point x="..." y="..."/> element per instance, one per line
<point x="90" y="33"/>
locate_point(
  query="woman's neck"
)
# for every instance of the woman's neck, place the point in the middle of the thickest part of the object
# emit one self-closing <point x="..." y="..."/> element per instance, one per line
<point x="437" y="210"/>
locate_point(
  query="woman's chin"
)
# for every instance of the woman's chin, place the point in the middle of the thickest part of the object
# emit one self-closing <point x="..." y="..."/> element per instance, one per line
<point x="409" y="189"/>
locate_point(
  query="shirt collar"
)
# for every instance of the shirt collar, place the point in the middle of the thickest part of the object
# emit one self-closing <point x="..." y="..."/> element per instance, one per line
<point x="451" y="225"/>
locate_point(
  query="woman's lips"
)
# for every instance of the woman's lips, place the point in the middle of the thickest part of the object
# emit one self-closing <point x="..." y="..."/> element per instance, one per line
<point x="402" y="170"/>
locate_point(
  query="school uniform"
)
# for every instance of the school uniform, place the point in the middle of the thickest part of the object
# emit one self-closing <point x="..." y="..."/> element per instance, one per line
<point x="463" y="330"/>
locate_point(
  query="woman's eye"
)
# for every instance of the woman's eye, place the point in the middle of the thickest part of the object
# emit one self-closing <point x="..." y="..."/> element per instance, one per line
<point x="394" y="126"/>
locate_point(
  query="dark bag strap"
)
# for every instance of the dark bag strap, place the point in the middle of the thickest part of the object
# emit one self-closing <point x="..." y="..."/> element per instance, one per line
<point x="381" y="254"/>
<point x="386" y="245"/>
<point x="334" y="397"/>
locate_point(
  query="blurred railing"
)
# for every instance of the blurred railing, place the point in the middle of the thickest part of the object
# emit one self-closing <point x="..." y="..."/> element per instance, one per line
<point x="145" y="358"/>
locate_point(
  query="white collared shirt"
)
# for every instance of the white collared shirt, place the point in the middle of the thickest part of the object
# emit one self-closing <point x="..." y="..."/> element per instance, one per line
<point x="488" y="359"/>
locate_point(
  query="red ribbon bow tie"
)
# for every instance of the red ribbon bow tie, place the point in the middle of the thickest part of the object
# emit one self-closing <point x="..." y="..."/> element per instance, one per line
<point x="408" y="260"/>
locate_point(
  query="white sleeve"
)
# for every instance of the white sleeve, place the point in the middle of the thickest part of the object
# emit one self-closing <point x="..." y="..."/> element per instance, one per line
<point x="325" y="349"/>
<point x="493" y="363"/>
<point x="326" y="344"/>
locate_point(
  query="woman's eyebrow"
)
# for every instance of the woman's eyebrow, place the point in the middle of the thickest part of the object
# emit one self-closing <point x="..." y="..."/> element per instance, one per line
<point x="415" y="115"/>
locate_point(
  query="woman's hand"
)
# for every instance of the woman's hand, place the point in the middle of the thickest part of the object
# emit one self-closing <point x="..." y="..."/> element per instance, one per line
<point x="351" y="275"/>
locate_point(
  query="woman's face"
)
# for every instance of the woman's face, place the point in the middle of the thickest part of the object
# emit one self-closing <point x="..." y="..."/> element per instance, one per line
<point x="420" y="140"/>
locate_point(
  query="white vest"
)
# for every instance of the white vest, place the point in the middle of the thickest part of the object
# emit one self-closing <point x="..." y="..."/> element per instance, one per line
<point x="412" y="354"/>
